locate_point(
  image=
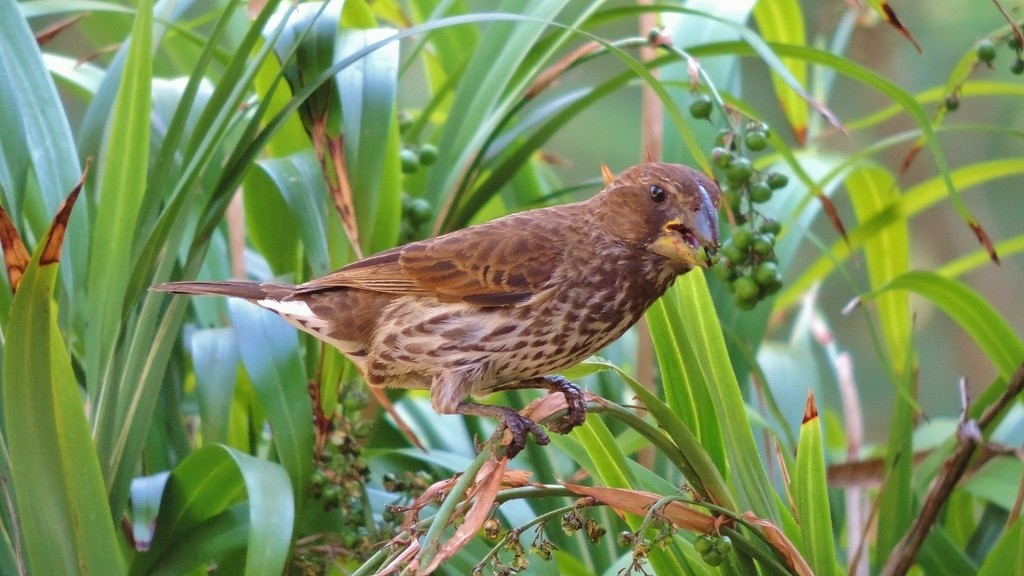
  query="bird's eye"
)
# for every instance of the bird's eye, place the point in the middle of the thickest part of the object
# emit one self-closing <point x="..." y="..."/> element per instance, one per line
<point x="657" y="194"/>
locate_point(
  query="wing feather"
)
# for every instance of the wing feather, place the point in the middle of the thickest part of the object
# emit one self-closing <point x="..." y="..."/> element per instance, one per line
<point x="504" y="262"/>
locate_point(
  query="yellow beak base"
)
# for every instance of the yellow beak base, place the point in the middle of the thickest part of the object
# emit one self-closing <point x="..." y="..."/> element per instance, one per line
<point x="672" y="246"/>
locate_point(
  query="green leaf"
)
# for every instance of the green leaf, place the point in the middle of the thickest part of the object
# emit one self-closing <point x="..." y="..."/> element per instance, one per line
<point x="269" y="348"/>
<point x="782" y="21"/>
<point x="297" y="180"/>
<point x="215" y="361"/>
<point x="873" y="190"/>
<point x="690" y="300"/>
<point x="914" y="201"/>
<point x="199" y="520"/>
<point x="602" y="455"/>
<point x="146" y="492"/>
<point x="1007" y="557"/>
<point x="896" y="498"/>
<point x="38" y="144"/>
<point x="972" y="312"/>
<point x="810" y="492"/>
<point x="686" y="390"/>
<point x="870" y="79"/>
<point x="367" y="90"/>
<point x="64" y="516"/>
<point x="484" y="93"/>
<point x="123" y="172"/>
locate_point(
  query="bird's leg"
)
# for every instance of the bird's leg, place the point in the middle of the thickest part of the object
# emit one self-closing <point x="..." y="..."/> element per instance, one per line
<point x="576" y="412"/>
<point x="510" y="420"/>
<point x="446" y="395"/>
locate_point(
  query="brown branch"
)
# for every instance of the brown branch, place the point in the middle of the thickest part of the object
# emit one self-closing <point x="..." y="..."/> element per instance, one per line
<point x="969" y="434"/>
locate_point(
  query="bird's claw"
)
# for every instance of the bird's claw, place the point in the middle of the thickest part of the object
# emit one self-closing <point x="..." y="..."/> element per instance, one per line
<point x="575" y="413"/>
<point x="520" y="426"/>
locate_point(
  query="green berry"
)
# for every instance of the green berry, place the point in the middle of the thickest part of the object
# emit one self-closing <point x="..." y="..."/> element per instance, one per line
<point x="986" y="51"/>
<point x="721" y="157"/>
<point x="952" y="103"/>
<point x="746" y="288"/>
<point x="744" y="303"/>
<point x="713" y="557"/>
<point x="428" y="154"/>
<point x="756" y="141"/>
<point x="406" y="232"/>
<point x="726" y="273"/>
<point x="420" y="211"/>
<point x="777" y="180"/>
<point x="724" y="545"/>
<point x="742" y="238"/>
<point x="733" y="254"/>
<point x="624" y="539"/>
<point x="771" y="227"/>
<point x="772" y="288"/>
<point x="405" y="122"/>
<point x="766" y="274"/>
<point x="1017" y="67"/>
<point x="701" y="107"/>
<point x="760" y="192"/>
<point x="1014" y="43"/>
<point x="410" y="161"/>
<point x="739" y="171"/>
<point x="703" y="544"/>
<point x="764" y="244"/>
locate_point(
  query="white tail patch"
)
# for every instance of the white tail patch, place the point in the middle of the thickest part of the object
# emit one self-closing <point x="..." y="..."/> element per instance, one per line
<point x="298" y="314"/>
<point x="296" y="310"/>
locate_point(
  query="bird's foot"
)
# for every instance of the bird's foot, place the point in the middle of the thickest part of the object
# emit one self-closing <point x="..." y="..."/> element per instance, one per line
<point x="519" y="426"/>
<point x="575" y="413"/>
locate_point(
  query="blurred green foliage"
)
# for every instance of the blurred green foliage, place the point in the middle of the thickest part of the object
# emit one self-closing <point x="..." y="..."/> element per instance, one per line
<point x="145" y="434"/>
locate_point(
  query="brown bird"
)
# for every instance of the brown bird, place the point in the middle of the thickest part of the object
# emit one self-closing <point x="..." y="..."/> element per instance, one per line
<point x="505" y="304"/>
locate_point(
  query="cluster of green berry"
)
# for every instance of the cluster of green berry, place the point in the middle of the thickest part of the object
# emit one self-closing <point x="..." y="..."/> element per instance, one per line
<point x="414" y="157"/>
<point x="713" y="550"/>
<point x="339" y="483"/>
<point x="416" y="213"/>
<point x="749" y="271"/>
<point x="986" y="52"/>
<point x="341" y="473"/>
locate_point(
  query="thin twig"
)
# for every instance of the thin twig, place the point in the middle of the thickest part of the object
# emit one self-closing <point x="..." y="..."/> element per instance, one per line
<point x="903" y="555"/>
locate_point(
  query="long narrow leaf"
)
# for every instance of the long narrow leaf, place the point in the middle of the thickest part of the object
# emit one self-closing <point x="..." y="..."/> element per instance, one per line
<point x="121" y="191"/>
<point x="64" y="516"/>
<point x="269" y="349"/>
<point x="811" y="494"/>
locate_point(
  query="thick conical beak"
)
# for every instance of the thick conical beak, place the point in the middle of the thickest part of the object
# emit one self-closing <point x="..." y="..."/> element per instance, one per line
<point x="692" y="240"/>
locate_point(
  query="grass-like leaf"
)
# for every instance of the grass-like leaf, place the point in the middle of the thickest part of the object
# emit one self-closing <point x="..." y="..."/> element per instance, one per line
<point x="63" y="513"/>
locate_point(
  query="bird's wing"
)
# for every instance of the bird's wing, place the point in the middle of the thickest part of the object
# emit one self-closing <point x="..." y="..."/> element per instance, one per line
<point x="504" y="262"/>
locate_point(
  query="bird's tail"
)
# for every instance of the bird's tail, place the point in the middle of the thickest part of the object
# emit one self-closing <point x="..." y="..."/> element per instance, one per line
<point x="235" y="288"/>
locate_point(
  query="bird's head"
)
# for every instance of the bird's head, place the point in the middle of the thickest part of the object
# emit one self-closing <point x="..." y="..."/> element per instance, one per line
<point x="666" y="209"/>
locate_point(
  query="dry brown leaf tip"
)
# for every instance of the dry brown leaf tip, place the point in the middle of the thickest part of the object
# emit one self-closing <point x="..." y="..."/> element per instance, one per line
<point x="810" y="409"/>
<point x="16" y="256"/>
